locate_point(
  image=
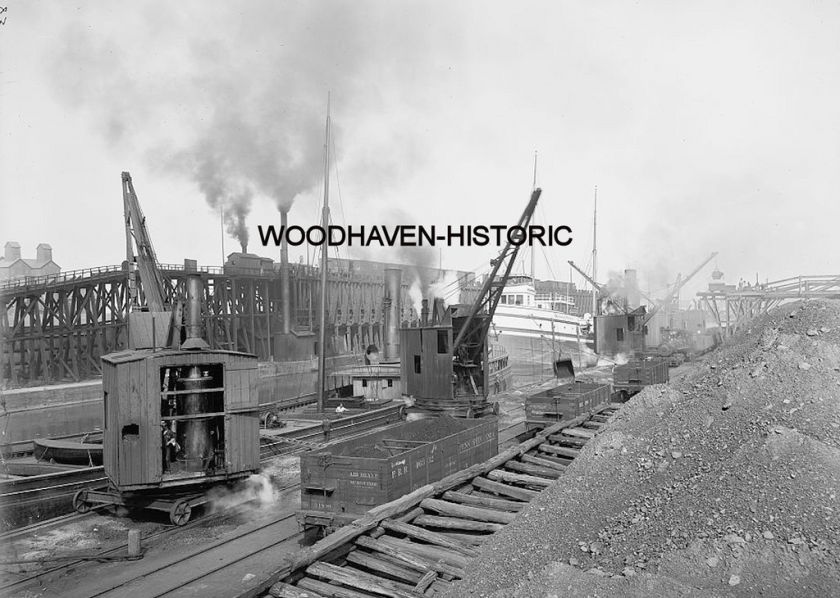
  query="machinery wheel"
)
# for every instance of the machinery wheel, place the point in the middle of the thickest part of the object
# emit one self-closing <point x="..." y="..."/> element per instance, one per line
<point x="470" y="413"/>
<point x="80" y="502"/>
<point x="180" y="513"/>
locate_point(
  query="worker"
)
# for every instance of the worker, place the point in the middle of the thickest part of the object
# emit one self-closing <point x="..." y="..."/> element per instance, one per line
<point x="170" y="446"/>
<point x="341" y="408"/>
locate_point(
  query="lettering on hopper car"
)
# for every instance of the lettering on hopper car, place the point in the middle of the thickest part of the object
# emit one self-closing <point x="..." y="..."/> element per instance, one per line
<point x="364" y="474"/>
<point x="363" y="483"/>
<point x="476" y="442"/>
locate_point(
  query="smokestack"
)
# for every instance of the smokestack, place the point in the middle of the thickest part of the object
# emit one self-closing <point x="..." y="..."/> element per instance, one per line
<point x="393" y="282"/>
<point x="631" y="289"/>
<point x="285" y="300"/>
<point x="195" y="289"/>
<point x="244" y="246"/>
<point x="424" y="313"/>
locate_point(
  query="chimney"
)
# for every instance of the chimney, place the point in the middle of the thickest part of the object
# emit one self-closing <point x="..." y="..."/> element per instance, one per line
<point x="12" y="251"/>
<point x="631" y="289"/>
<point x="393" y="284"/>
<point x="43" y="253"/>
<point x="244" y="246"/>
<point x="195" y="290"/>
<point x="424" y="313"/>
<point x="285" y="299"/>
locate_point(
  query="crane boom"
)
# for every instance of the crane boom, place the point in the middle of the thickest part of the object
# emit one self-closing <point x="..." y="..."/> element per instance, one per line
<point x="151" y="278"/>
<point x="491" y="290"/>
<point x="679" y="284"/>
<point x="586" y="276"/>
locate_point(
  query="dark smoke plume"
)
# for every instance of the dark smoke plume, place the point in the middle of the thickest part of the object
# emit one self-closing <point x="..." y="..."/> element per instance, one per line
<point x="234" y="97"/>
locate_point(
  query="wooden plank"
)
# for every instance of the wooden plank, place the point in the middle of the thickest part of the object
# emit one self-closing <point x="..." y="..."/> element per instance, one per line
<point x="560" y="450"/>
<point x="543" y="462"/>
<point x="531" y="469"/>
<point x="410" y="515"/>
<point x="522" y="494"/>
<point x="425" y="582"/>
<point x="562" y="461"/>
<point x="458" y="523"/>
<point x="481" y="501"/>
<point x="284" y="590"/>
<point x="466" y="512"/>
<point x="433" y="554"/>
<point x="579" y="432"/>
<point x="571" y="441"/>
<point x="329" y="590"/>
<point x="499" y="475"/>
<point x="369" y="561"/>
<point x="468" y="539"/>
<point x="355" y="578"/>
<point x="409" y="559"/>
<point x="431" y="537"/>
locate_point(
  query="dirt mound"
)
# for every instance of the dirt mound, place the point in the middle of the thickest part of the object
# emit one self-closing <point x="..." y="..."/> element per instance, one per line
<point x="726" y="482"/>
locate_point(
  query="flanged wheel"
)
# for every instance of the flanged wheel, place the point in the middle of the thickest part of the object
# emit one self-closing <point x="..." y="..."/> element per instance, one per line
<point x="180" y="513"/>
<point x="80" y="502"/>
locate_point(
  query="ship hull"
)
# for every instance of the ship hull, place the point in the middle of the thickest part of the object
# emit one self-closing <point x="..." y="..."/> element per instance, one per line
<point x="535" y="337"/>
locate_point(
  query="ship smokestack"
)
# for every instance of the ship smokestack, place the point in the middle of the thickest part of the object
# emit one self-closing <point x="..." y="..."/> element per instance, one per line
<point x="195" y="290"/>
<point x="393" y="284"/>
<point x="285" y="300"/>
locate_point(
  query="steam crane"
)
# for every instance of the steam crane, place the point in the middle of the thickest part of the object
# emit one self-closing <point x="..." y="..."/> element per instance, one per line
<point x="180" y="418"/>
<point x="157" y="323"/>
<point x="598" y="287"/>
<point x="679" y="285"/>
<point x="451" y="376"/>
<point x="678" y="344"/>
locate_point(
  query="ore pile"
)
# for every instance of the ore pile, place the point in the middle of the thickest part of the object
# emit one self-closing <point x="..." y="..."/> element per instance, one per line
<point x="724" y="483"/>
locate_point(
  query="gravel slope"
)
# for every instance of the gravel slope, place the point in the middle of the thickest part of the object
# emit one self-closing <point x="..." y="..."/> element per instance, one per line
<point x="725" y="483"/>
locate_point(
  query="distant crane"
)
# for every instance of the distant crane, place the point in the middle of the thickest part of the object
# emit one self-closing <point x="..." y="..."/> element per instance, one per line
<point x="598" y="287"/>
<point x="677" y="286"/>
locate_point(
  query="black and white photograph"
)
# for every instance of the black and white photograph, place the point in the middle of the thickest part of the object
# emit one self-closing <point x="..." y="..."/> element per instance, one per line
<point x="371" y="298"/>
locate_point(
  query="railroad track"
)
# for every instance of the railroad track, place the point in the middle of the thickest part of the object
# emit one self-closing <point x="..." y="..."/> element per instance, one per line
<point x="361" y="424"/>
<point x="211" y="559"/>
<point x="50" y="491"/>
<point x="419" y="544"/>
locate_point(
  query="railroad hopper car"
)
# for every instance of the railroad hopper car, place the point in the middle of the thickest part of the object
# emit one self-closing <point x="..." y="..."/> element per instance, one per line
<point x="345" y="480"/>
<point x="633" y="376"/>
<point x="175" y="423"/>
<point x="563" y="402"/>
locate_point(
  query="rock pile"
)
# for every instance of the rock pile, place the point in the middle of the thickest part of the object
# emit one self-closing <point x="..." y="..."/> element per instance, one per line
<point x="724" y="483"/>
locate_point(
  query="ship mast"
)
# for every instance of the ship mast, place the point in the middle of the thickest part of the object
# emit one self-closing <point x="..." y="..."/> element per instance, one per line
<point x="533" y="251"/>
<point x="595" y="254"/>
<point x="325" y="221"/>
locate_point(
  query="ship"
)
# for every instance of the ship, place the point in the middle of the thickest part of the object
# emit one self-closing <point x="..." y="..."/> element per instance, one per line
<point x="537" y="329"/>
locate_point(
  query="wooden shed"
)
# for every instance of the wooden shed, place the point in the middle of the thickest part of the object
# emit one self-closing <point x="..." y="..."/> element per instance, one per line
<point x="174" y="417"/>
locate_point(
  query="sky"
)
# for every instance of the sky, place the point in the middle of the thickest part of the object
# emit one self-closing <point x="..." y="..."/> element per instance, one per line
<point x="705" y="126"/>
